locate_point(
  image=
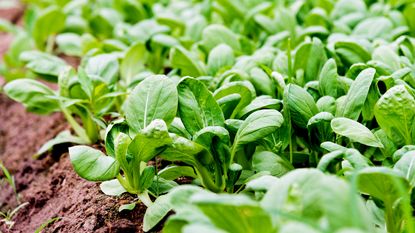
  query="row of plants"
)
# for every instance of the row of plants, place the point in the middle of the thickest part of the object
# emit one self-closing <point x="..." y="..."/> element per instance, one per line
<point x="287" y="116"/>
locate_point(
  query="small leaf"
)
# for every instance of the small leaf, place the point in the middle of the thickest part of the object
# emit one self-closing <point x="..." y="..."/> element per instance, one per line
<point x="357" y="94"/>
<point x="300" y="104"/>
<point x="112" y="188"/>
<point x="187" y="62"/>
<point x="130" y="206"/>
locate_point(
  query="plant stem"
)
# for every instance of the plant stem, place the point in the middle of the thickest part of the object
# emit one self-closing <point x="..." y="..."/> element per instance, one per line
<point x="50" y="43"/>
<point x="75" y="126"/>
<point x="390" y="223"/>
<point x="145" y="198"/>
<point x="290" y="74"/>
<point x="207" y="179"/>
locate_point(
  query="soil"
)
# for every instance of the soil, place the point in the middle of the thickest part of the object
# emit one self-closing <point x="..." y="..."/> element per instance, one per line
<point x="49" y="185"/>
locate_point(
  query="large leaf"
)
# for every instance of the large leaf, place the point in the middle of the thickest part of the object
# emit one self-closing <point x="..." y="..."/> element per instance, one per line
<point x="395" y="112"/>
<point x="154" y="98"/>
<point x="216" y="34"/>
<point x="50" y="21"/>
<point x="234" y="214"/>
<point x="197" y="107"/>
<point x="311" y="195"/>
<point x="93" y="165"/>
<point x="35" y="96"/>
<point x="406" y="165"/>
<point x="105" y="66"/>
<point x="148" y="142"/>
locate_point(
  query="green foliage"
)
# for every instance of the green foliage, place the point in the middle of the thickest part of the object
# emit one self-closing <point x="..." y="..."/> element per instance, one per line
<point x="287" y="116"/>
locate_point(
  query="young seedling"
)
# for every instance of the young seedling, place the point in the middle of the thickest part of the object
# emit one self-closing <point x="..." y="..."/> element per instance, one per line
<point x="130" y="145"/>
<point x="7" y="217"/>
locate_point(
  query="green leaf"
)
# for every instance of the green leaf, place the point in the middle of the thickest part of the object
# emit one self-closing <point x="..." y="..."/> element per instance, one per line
<point x="351" y="52"/>
<point x="154" y="98"/>
<point x="406" y="165"/>
<point x="34" y="95"/>
<point x="215" y="34"/>
<point x="197" y="106"/>
<point x="182" y="149"/>
<point x="173" y="172"/>
<point x="146" y="178"/>
<point x="105" y="66"/>
<point x="243" y="89"/>
<point x="187" y="62"/>
<point x="328" y="79"/>
<point x="300" y="104"/>
<point x="130" y="206"/>
<point x="395" y="112"/>
<point x="62" y="137"/>
<point x="219" y="57"/>
<point x="43" y="28"/>
<point x="149" y="142"/>
<point x="112" y="132"/>
<point x="256" y="126"/>
<point x="260" y="102"/>
<point x="381" y="183"/>
<point x="365" y="28"/>
<point x="268" y="161"/>
<point x="133" y="62"/>
<point x="93" y="165"/>
<point x="234" y="214"/>
<point x="156" y="212"/>
<point x="319" y="126"/>
<point x="355" y="131"/>
<point x="70" y="43"/>
<point x="310" y="57"/>
<point x="310" y="195"/>
<point x="386" y="55"/>
<point x="43" y="64"/>
<point x="112" y="188"/>
<point x="357" y="94"/>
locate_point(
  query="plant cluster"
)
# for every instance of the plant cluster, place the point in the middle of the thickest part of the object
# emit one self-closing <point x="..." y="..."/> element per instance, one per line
<point x="288" y="116"/>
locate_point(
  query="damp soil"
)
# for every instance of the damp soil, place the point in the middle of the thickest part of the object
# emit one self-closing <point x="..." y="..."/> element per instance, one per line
<point x="49" y="185"/>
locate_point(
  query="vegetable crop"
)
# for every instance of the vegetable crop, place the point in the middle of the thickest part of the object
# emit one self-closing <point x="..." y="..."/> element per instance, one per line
<point x="287" y="116"/>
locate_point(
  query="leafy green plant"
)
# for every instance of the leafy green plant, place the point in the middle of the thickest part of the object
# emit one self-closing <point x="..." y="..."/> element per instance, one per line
<point x="247" y="94"/>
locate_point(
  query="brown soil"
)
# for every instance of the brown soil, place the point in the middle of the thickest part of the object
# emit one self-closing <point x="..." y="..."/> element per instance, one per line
<point x="50" y="185"/>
